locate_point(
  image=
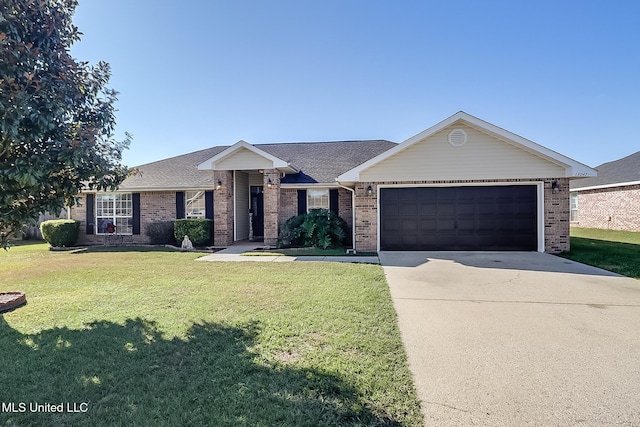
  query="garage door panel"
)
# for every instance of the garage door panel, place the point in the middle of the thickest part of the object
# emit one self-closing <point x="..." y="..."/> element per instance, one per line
<point x="428" y="208"/>
<point x="428" y="225"/>
<point x="446" y="225"/>
<point x="409" y="209"/>
<point x="459" y="218"/>
<point x="393" y="225"/>
<point x="410" y="225"/>
<point x="446" y="209"/>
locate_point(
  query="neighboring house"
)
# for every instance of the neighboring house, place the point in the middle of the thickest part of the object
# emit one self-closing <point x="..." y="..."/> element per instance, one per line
<point x="462" y="184"/>
<point x="612" y="199"/>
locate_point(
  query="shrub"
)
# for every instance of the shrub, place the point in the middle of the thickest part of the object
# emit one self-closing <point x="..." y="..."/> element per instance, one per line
<point x="319" y="228"/>
<point x="60" y="232"/>
<point x="198" y="230"/>
<point x="291" y="232"/>
<point x="160" y="233"/>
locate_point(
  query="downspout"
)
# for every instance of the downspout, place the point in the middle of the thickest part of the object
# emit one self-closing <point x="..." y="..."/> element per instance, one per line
<point x="353" y="212"/>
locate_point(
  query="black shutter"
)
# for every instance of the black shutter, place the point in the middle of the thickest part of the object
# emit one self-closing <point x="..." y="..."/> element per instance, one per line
<point x="208" y="204"/>
<point x="333" y="201"/>
<point x="179" y="204"/>
<point x="135" y="199"/>
<point x="90" y="218"/>
<point x="302" y="202"/>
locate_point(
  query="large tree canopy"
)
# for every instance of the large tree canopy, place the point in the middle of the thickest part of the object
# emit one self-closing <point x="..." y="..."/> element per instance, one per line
<point x="56" y="115"/>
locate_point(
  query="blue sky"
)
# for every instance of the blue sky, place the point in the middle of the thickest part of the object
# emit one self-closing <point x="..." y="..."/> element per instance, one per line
<point x="194" y="74"/>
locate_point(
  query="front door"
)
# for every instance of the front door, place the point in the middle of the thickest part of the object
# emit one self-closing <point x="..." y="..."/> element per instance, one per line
<point x="257" y="212"/>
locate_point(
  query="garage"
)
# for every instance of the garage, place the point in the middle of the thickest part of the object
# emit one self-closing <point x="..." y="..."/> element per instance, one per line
<point x="459" y="218"/>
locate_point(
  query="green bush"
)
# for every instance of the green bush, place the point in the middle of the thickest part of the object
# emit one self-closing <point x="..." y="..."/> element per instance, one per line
<point x="291" y="232"/>
<point x="160" y="233"/>
<point x="319" y="228"/>
<point x="60" y="232"/>
<point x="198" y="230"/>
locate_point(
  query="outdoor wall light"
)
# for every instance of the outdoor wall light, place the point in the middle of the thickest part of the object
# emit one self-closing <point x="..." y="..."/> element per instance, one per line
<point x="555" y="187"/>
<point x="269" y="183"/>
<point x="369" y="190"/>
<point x="219" y="186"/>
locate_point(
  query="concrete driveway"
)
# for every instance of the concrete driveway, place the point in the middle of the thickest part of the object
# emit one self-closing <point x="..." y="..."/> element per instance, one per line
<point x="508" y="339"/>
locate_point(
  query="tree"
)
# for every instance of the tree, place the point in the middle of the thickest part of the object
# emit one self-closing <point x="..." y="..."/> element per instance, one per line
<point x="57" y="115"/>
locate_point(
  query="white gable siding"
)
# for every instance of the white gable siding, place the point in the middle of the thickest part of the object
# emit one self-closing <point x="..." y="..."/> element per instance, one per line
<point x="482" y="157"/>
<point x="243" y="159"/>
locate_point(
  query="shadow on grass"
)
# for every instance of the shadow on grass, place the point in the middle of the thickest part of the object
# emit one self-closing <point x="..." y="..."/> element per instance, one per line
<point x="130" y="375"/>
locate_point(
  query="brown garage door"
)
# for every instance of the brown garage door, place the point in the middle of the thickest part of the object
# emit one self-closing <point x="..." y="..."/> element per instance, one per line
<point x="499" y="218"/>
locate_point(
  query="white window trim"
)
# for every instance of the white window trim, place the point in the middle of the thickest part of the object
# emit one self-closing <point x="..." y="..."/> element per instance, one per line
<point x="324" y="190"/>
<point x="199" y="193"/>
<point x="574" y="217"/>
<point x="113" y="217"/>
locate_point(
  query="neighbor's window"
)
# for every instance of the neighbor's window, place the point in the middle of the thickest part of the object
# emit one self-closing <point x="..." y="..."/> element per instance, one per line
<point x="574" y="206"/>
<point x="114" y="213"/>
<point x="194" y="204"/>
<point x="317" y="199"/>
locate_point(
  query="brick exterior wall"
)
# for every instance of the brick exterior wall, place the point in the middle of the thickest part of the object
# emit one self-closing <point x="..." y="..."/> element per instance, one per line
<point x="154" y="206"/>
<point x="288" y="204"/>
<point x="556" y="216"/>
<point x="345" y="210"/>
<point x="223" y="209"/>
<point x="271" y="206"/>
<point x="616" y="208"/>
<point x="556" y="211"/>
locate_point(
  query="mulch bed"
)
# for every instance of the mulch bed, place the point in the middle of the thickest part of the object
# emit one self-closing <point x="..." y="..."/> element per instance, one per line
<point x="11" y="300"/>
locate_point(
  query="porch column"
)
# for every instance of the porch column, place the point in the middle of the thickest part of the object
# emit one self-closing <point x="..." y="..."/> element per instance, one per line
<point x="223" y="208"/>
<point x="271" y="206"/>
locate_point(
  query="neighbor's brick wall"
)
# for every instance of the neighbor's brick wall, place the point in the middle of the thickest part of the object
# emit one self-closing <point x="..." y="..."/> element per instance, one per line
<point x="616" y="208"/>
<point x="556" y="212"/>
<point x="154" y="206"/>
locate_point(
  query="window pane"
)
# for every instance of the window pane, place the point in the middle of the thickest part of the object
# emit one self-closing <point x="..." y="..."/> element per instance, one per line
<point x="317" y="199"/>
<point x="114" y="213"/>
<point x="194" y="204"/>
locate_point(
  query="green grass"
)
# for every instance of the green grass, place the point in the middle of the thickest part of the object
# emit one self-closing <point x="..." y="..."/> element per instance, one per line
<point x="617" y="251"/>
<point x="155" y="338"/>
<point x="609" y="235"/>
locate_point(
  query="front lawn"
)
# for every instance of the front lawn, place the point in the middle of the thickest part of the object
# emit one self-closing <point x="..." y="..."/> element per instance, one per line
<point x="617" y="251"/>
<point x="153" y="338"/>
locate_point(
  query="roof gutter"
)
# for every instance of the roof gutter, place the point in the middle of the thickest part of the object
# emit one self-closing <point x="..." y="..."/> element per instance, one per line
<point x="353" y="212"/>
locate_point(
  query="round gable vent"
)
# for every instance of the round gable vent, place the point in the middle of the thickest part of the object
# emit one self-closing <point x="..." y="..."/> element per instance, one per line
<point x="457" y="137"/>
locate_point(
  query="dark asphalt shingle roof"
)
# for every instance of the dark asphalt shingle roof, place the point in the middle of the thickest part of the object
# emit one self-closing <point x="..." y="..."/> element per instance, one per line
<point x="318" y="162"/>
<point x="626" y="169"/>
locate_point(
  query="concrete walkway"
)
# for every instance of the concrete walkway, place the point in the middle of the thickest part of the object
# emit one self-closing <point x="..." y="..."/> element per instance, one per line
<point x="511" y="339"/>
<point x="234" y="253"/>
